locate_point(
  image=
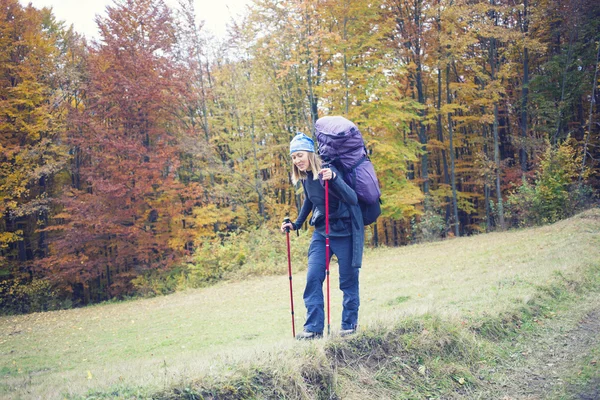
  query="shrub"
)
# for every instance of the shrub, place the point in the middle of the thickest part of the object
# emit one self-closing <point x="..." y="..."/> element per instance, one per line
<point x="431" y="225"/>
<point x="157" y="282"/>
<point x="556" y="192"/>
<point x="520" y="209"/>
<point x="260" y="251"/>
<point x="19" y="296"/>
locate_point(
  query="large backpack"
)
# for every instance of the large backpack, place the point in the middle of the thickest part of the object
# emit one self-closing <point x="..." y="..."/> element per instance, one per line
<point x="341" y="144"/>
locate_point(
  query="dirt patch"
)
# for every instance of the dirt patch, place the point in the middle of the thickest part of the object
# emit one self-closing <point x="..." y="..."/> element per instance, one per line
<point x="542" y="363"/>
<point x="591" y="392"/>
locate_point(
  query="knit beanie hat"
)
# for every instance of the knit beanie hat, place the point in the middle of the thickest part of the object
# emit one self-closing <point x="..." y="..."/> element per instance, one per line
<point x="301" y="142"/>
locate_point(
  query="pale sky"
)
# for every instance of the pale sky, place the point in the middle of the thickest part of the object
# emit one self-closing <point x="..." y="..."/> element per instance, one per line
<point x="81" y="13"/>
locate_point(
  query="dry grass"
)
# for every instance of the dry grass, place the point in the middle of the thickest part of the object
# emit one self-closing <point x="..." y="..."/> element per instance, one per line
<point x="478" y="274"/>
<point x="155" y="343"/>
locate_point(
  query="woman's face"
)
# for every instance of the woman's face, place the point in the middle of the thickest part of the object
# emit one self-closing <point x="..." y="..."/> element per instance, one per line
<point x="300" y="160"/>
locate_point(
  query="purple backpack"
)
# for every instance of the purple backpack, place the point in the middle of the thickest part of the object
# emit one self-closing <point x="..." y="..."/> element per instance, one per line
<point x="341" y="144"/>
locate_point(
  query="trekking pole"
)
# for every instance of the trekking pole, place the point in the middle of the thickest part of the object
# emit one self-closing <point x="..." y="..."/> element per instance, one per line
<point x="287" y="232"/>
<point x="327" y="251"/>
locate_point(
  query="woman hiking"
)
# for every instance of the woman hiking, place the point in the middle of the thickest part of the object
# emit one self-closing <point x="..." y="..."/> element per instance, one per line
<point x="346" y="233"/>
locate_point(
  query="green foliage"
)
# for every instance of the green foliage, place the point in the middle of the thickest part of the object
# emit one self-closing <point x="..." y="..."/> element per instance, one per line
<point x="431" y="224"/>
<point x="258" y="252"/>
<point x="556" y="181"/>
<point x="398" y="300"/>
<point x="20" y="297"/>
<point x="519" y="206"/>
<point x="555" y="194"/>
<point x="261" y="251"/>
<point x="157" y="282"/>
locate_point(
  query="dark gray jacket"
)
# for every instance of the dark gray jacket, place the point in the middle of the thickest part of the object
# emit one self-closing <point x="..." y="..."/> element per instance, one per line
<point x="345" y="218"/>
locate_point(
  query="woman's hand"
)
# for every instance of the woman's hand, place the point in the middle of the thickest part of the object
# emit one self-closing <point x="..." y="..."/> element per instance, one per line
<point x="327" y="174"/>
<point x="287" y="226"/>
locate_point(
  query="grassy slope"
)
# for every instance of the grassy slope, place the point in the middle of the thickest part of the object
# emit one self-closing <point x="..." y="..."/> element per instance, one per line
<point x="160" y="342"/>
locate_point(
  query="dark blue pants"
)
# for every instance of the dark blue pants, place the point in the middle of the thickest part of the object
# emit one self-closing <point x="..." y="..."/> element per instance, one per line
<point x="313" y="293"/>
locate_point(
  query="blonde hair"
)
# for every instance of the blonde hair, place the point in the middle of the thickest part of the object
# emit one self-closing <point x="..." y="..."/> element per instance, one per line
<point x="314" y="163"/>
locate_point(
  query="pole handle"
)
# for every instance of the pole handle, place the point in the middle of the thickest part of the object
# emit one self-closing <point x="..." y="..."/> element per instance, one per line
<point x="288" y="220"/>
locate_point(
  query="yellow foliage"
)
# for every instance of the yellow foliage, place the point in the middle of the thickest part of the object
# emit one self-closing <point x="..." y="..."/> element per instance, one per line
<point x="9" y="237"/>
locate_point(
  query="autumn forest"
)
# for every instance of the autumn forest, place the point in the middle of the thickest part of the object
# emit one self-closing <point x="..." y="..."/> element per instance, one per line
<point x="136" y="163"/>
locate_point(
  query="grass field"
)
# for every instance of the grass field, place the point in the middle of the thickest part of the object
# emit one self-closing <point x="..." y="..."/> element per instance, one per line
<point x="152" y="344"/>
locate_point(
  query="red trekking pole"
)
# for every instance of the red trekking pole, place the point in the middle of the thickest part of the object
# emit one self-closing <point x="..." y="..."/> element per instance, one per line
<point x="327" y="250"/>
<point x="287" y="232"/>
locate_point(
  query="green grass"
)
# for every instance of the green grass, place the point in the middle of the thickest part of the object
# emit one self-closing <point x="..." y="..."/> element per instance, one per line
<point x="236" y="336"/>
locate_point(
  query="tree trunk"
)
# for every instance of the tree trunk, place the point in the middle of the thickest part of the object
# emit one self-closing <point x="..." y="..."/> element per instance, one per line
<point x="441" y="139"/>
<point x="494" y="67"/>
<point x="500" y="206"/>
<point x="562" y="89"/>
<point x="257" y="179"/>
<point x="346" y="79"/>
<point x="421" y="99"/>
<point x="375" y="235"/>
<point x="525" y="92"/>
<point x="524" y="101"/>
<point x="488" y="211"/>
<point x="591" y="115"/>
<point x="452" y="156"/>
<point x="312" y="99"/>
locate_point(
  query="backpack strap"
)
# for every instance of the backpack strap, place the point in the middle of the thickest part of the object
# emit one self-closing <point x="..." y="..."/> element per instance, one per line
<point x="353" y="170"/>
<point x="331" y="160"/>
<point x="362" y="160"/>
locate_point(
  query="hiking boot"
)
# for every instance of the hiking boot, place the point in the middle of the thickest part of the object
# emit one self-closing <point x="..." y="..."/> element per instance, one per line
<point x="347" y="332"/>
<point x="306" y="335"/>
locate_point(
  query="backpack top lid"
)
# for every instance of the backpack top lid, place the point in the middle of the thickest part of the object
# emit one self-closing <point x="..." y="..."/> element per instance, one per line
<point x="334" y="125"/>
<point x="339" y="139"/>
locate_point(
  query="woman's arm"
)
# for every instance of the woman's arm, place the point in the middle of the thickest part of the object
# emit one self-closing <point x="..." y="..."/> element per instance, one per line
<point x="341" y="188"/>
<point x="304" y="211"/>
